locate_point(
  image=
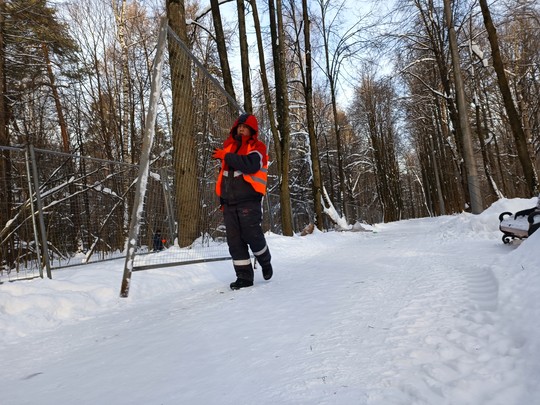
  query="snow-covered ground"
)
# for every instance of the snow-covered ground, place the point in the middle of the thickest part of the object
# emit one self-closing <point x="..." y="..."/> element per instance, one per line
<point x="426" y="311"/>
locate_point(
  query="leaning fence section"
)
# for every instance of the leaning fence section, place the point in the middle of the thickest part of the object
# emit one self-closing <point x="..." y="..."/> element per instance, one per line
<point x="59" y="210"/>
<point x="85" y="207"/>
<point x="186" y="225"/>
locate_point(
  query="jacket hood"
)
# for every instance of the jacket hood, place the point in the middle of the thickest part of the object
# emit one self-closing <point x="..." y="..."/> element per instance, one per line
<point x="248" y="120"/>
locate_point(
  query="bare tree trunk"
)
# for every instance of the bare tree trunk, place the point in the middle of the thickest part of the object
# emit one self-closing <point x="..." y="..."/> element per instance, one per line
<point x="485" y="156"/>
<point x="515" y="122"/>
<point x="473" y="181"/>
<point x="436" y="38"/>
<point x="377" y="99"/>
<point x="440" y="197"/>
<point x="185" y="151"/>
<point x="266" y="87"/>
<point x="487" y="120"/>
<point x="74" y="201"/>
<point x="244" y="56"/>
<point x="450" y="156"/>
<point x="314" y="149"/>
<point x="222" y="51"/>
<point x="61" y="120"/>
<point x="282" y="103"/>
<point x="332" y="83"/>
<point x="494" y="189"/>
<point x="120" y="16"/>
<point x="5" y="166"/>
<point x="3" y="113"/>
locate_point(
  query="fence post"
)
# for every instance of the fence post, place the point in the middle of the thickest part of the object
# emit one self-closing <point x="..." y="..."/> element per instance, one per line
<point x="144" y="166"/>
<point x="171" y="219"/>
<point x="32" y="208"/>
<point x="43" y="232"/>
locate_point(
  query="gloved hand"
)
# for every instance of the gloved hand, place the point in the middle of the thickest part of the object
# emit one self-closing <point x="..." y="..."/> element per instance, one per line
<point x="218" y="154"/>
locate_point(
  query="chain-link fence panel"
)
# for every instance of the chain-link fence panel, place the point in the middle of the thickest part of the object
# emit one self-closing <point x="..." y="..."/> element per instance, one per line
<point x="83" y="203"/>
<point x="87" y="204"/>
<point x="185" y="224"/>
<point x="19" y="245"/>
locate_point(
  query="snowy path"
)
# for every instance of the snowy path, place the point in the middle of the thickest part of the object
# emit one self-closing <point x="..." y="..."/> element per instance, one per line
<point x="403" y="316"/>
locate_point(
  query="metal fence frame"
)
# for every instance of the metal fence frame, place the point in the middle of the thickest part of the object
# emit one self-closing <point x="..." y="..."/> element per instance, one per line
<point x="56" y="213"/>
<point x="78" y="209"/>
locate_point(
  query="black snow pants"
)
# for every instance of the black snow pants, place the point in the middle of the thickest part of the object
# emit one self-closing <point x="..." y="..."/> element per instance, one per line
<point x="243" y="226"/>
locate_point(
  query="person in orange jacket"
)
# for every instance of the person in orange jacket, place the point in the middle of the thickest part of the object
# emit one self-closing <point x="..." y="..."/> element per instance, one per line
<point x="241" y="185"/>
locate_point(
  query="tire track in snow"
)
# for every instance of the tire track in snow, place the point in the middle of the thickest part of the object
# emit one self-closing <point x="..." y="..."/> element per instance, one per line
<point x="446" y="348"/>
<point x="382" y="306"/>
<point x="414" y="323"/>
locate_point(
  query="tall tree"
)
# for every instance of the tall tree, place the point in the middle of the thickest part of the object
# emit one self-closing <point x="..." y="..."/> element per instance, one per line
<point x="66" y="144"/>
<point x="520" y="140"/>
<point x="332" y="63"/>
<point x="480" y="129"/>
<point x="338" y="46"/>
<point x="427" y="61"/>
<point x="5" y="167"/>
<point x="244" y="56"/>
<point x="316" y="180"/>
<point x="120" y="15"/>
<point x="35" y="47"/>
<point x="91" y="27"/>
<point x="3" y="113"/>
<point x="265" y="84"/>
<point x="473" y="181"/>
<point x="374" y="106"/>
<point x="33" y="35"/>
<point x="185" y="150"/>
<point x="222" y="51"/>
<point x="282" y="105"/>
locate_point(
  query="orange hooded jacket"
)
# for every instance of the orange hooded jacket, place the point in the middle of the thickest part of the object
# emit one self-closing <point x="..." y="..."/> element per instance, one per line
<point x="252" y="144"/>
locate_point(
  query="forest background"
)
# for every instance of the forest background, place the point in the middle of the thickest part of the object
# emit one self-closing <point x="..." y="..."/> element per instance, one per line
<point x="372" y="111"/>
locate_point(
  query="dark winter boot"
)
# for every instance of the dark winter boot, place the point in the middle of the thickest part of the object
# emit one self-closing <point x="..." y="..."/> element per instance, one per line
<point x="264" y="260"/>
<point x="241" y="283"/>
<point x="244" y="276"/>
<point x="267" y="271"/>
